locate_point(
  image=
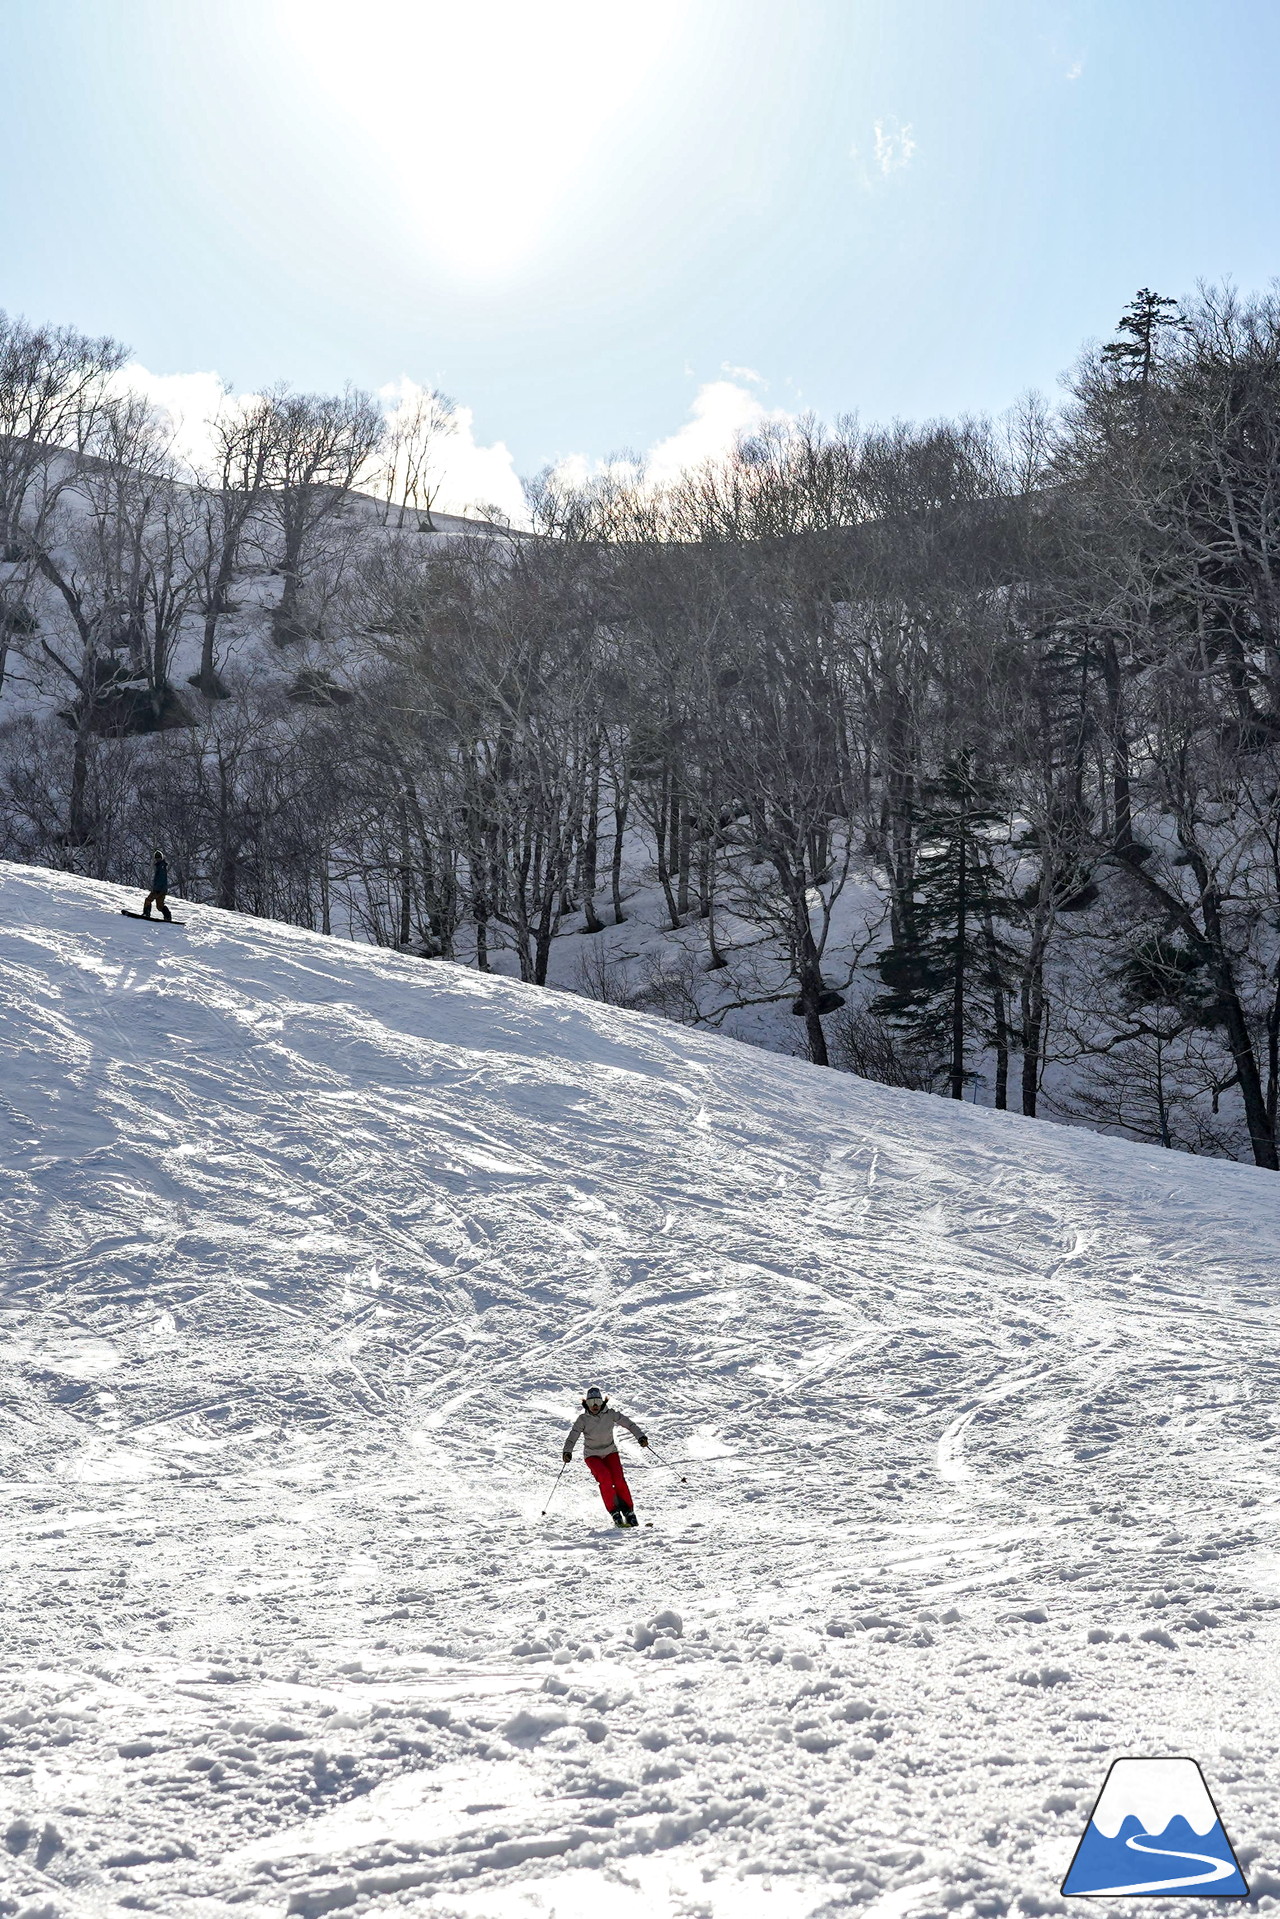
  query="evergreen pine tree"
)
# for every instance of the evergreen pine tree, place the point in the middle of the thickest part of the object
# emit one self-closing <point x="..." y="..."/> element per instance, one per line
<point x="1133" y="355"/>
<point x="945" y="973"/>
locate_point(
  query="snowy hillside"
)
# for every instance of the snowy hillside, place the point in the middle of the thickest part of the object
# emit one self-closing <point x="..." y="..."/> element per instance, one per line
<point x="246" y="652"/>
<point x="964" y="1433"/>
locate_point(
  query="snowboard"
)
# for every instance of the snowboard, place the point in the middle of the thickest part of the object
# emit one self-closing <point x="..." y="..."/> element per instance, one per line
<point x="152" y="919"/>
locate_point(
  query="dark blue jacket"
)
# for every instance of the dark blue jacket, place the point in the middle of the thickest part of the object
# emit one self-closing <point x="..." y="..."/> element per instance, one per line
<point x="160" y="876"/>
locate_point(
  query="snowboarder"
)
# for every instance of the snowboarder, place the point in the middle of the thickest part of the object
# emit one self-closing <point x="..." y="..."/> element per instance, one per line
<point x="159" y="886"/>
<point x="596" y="1423"/>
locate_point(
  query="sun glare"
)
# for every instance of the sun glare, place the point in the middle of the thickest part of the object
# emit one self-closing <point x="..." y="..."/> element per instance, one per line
<point x="477" y="117"/>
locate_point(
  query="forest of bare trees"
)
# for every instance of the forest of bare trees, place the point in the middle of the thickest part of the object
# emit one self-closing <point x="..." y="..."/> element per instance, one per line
<point x="958" y="745"/>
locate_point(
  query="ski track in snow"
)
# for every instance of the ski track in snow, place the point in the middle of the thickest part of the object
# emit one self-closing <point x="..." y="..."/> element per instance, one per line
<point x="308" y="1249"/>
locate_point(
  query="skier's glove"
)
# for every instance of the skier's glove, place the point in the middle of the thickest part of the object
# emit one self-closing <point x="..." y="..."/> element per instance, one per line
<point x="566" y="1457"/>
<point x="643" y="1440"/>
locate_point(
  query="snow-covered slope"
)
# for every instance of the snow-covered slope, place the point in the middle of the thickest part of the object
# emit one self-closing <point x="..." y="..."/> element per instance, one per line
<point x="963" y="1474"/>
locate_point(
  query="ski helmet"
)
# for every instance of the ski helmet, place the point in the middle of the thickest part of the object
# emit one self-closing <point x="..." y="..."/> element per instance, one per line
<point x="593" y="1399"/>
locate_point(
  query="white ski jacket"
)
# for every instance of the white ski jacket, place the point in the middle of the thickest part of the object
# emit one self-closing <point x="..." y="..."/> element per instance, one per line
<point x="596" y="1430"/>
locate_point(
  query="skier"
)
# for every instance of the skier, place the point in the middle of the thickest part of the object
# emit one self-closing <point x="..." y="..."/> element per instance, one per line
<point x="596" y="1423"/>
<point x="159" y="886"/>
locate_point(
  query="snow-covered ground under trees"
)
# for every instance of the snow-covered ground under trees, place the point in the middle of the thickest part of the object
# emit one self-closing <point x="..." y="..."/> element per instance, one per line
<point x="965" y="1435"/>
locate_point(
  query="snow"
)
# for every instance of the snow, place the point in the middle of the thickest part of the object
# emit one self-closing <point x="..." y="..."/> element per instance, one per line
<point x="309" y="1250"/>
<point x="246" y="651"/>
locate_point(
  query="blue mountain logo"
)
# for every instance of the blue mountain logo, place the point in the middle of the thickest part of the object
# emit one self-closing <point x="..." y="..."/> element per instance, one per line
<point x="1155" y="1830"/>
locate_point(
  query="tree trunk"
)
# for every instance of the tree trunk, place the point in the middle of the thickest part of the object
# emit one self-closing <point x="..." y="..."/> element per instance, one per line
<point x="284" y="618"/>
<point x="682" y="869"/>
<point x="998" y="1009"/>
<point x="621" y="805"/>
<point x="227" y="863"/>
<point x="516" y="916"/>
<point x="591" y="847"/>
<point x="1261" y="1129"/>
<point x="817" y="1038"/>
<point x="958" y="982"/>
<point x="1161" y="1108"/>
<point x="1212" y="939"/>
<point x="544" y="933"/>
<point x="1122" y="804"/>
<point x="227" y="877"/>
<point x="406" y="880"/>
<point x="707" y="898"/>
<point x="809" y="975"/>
<point x="1032" y="1020"/>
<point x="207" y="679"/>
<point x="664" y="826"/>
<point x="480" y="906"/>
<point x="79" y="825"/>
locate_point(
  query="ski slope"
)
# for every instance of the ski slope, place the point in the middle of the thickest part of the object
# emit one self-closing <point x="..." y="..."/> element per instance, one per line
<point x="964" y="1474"/>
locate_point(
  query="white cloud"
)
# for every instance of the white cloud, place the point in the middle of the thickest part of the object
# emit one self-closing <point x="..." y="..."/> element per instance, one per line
<point x="477" y="477"/>
<point x="742" y="373"/>
<point x="894" y="146"/>
<point x="187" y="402"/>
<point x="1074" y="72"/>
<point x="721" y="414"/>
<point x="472" y="476"/>
<point x="576" y="470"/>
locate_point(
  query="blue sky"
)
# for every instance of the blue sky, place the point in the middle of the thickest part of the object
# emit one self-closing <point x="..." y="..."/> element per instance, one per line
<point x="576" y="218"/>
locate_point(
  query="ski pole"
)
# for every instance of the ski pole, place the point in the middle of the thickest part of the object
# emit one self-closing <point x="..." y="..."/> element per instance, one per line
<point x="551" y="1495"/>
<point x="665" y="1462"/>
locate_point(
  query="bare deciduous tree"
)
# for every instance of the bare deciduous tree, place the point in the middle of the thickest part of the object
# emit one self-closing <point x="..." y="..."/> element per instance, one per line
<point x="319" y="445"/>
<point x="414" y="442"/>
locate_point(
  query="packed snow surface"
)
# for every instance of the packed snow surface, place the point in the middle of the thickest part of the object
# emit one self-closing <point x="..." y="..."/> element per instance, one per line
<point x="963" y="1478"/>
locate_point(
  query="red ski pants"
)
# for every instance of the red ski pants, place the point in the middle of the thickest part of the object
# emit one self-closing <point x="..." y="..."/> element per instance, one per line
<point x="607" y="1473"/>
